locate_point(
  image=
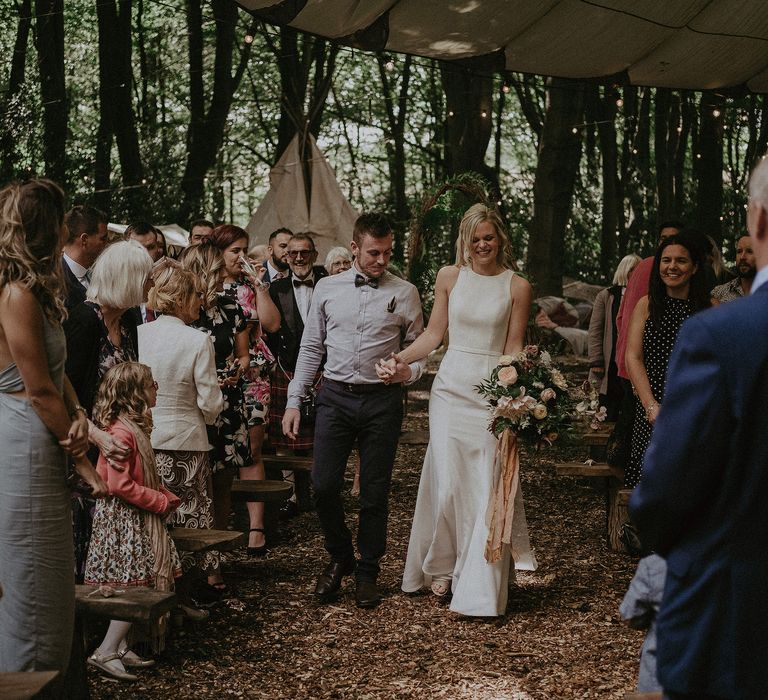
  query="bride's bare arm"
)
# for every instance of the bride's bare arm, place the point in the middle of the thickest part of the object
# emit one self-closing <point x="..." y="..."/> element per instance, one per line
<point x="431" y="338"/>
<point x="520" y="290"/>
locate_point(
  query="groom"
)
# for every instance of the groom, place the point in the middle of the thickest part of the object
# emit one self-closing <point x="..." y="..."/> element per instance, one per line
<point x="356" y="318"/>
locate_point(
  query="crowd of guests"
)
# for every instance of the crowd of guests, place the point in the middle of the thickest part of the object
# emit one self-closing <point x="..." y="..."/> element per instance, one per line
<point x="137" y="384"/>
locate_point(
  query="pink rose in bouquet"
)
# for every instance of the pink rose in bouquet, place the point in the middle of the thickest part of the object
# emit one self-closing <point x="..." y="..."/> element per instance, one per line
<point x="507" y="376"/>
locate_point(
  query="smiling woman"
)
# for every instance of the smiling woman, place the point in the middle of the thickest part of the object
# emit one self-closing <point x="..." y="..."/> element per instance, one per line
<point x="677" y="290"/>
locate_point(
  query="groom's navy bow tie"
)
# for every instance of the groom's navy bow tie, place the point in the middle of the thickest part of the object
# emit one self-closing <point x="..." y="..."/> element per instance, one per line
<point x="361" y="281"/>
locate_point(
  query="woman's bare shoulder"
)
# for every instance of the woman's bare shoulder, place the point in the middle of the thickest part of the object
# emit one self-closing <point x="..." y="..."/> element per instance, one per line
<point x="448" y="274"/>
<point x="520" y="285"/>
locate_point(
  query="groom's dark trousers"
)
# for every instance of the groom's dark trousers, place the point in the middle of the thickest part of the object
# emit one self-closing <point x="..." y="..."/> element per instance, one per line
<point x="372" y="414"/>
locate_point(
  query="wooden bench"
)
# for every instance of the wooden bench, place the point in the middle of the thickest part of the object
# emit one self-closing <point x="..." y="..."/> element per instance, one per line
<point x="191" y="539"/>
<point x="301" y="467"/>
<point x="261" y="490"/>
<point x="135" y="604"/>
<point x="288" y="463"/>
<point x="33" y="684"/>
<point x="616" y="496"/>
<point x="596" y="441"/>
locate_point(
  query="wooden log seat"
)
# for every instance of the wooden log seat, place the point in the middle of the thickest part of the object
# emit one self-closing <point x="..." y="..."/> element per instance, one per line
<point x="32" y="684"/>
<point x="261" y="490"/>
<point x="288" y="463"/>
<point x="191" y="539"/>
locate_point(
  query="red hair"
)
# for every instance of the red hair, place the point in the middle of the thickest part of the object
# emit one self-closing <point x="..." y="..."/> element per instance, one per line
<point x="225" y="235"/>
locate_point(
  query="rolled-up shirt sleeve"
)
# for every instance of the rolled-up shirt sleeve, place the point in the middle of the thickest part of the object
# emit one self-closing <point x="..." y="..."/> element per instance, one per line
<point x="412" y="329"/>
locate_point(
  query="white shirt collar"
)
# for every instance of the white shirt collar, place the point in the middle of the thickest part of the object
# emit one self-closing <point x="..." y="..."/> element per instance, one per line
<point x="77" y="269"/>
<point x="274" y="271"/>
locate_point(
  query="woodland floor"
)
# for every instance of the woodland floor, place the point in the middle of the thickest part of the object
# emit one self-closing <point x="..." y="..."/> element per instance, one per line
<point x="561" y="636"/>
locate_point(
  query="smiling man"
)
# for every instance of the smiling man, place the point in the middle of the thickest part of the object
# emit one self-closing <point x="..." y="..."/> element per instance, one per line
<point x="356" y="318"/>
<point x="746" y="269"/>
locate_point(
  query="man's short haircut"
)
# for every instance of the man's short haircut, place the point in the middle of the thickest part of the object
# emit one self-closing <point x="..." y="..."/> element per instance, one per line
<point x="374" y="224"/>
<point x="138" y="228"/>
<point x="84" y="219"/>
<point x="119" y="275"/>
<point x="278" y="231"/>
<point x="200" y="222"/>
<point x="670" y="223"/>
<point x="305" y="236"/>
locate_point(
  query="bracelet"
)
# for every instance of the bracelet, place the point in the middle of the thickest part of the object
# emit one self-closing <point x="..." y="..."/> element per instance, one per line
<point x="262" y="286"/>
<point x="650" y="407"/>
<point x="77" y="408"/>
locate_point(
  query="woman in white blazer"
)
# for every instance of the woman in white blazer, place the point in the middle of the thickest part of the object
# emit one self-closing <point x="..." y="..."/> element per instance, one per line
<point x="188" y="398"/>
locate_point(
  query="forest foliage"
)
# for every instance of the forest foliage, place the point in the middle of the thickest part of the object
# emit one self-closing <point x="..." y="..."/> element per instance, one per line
<point x="172" y="109"/>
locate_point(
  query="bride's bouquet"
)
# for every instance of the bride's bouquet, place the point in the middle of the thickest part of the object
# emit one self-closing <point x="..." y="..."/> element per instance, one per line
<point x="528" y="399"/>
<point x="528" y="396"/>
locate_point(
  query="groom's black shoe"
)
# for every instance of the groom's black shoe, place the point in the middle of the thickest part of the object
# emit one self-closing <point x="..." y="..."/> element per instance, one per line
<point x="367" y="594"/>
<point x="329" y="582"/>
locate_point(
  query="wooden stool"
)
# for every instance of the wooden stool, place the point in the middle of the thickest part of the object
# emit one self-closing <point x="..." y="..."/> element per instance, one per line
<point x="191" y="539"/>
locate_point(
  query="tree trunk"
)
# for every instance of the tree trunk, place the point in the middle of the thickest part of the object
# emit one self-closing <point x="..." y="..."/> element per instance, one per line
<point x="49" y="39"/>
<point x="395" y="146"/>
<point x="469" y="101"/>
<point x="613" y="199"/>
<point x="116" y="97"/>
<point x="206" y="127"/>
<point x="709" y="194"/>
<point x="12" y="124"/>
<point x="556" y="171"/>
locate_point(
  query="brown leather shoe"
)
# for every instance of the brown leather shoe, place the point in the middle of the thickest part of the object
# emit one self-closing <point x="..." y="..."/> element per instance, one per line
<point x="329" y="582"/>
<point x="367" y="594"/>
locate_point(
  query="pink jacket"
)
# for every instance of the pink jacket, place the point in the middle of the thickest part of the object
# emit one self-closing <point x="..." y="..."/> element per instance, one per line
<point x="126" y="478"/>
<point x="637" y="288"/>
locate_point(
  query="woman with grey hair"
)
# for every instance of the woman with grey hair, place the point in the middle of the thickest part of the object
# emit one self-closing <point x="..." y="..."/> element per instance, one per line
<point x="338" y="260"/>
<point x="602" y="338"/>
<point x="101" y="334"/>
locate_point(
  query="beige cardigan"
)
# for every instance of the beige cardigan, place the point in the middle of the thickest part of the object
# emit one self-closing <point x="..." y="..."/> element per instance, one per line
<point x="601" y="339"/>
<point x="188" y="393"/>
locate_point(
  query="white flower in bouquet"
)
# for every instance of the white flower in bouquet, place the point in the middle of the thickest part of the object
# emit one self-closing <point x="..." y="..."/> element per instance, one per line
<point x="539" y="411"/>
<point x="558" y="379"/>
<point x="546" y="358"/>
<point x="505" y="360"/>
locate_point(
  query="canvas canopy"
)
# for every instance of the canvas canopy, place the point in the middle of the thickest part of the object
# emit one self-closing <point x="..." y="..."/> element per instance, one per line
<point x="330" y="216"/>
<point x="694" y="44"/>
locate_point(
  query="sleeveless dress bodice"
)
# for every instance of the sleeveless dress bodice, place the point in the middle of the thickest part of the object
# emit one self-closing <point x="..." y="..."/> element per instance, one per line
<point x="449" y="525"/>
<point x="55" y="350"/>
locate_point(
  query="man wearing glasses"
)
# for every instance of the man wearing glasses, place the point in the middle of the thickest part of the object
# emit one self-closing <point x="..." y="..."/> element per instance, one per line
<point x="292" y="296"/>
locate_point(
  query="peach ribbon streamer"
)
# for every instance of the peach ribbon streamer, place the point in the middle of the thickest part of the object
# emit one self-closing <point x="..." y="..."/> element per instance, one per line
<point x="501" y="507"/>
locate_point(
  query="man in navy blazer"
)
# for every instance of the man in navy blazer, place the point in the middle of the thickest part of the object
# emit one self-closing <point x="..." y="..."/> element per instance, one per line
<point x="701" y="502"/>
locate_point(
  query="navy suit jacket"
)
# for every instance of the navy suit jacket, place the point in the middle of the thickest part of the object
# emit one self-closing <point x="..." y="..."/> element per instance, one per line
<point x="702" y="503"/>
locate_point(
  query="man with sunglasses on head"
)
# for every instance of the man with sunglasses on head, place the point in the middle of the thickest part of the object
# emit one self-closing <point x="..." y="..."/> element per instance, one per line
<point x="292" y="296"/>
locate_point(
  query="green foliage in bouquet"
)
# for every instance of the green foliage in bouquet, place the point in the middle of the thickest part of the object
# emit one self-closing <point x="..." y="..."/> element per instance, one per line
<point x="528" y="395"/>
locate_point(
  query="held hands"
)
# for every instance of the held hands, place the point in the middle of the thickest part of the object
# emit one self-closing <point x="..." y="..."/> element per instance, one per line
<point x="76" y="442"/>
<point x="393" y="370"/>
<point x="234" y="372"/>
<point x="291" y="423"/>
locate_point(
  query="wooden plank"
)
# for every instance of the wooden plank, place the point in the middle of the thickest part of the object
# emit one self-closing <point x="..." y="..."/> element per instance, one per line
<point x="618" y="514"/>
<point x="132" y="604"/>
<point x="583" y="469"/>
<point x="32" y="684"/>
<point x="414" y="437"/>
<point x="261" y="490"/>
<point x="596" y="438"/>
<point x="288" y="462"/>
<point x="192" y="539"/>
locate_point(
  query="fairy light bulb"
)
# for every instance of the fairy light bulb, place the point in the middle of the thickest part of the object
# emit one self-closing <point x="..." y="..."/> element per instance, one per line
<point x="248" y="39"/>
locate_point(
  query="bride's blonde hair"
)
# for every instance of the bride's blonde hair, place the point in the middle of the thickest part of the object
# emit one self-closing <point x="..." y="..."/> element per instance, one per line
<point x="123" y="391"/>
<point x="474" y="216"/>
<point x="31" y="220"/>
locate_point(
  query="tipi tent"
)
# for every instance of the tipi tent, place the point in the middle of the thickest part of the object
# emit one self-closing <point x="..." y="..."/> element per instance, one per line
<point x="329" y="216"/>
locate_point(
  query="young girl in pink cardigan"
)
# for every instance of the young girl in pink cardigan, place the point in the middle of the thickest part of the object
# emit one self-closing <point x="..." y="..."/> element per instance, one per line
<point x="130" y="545"/>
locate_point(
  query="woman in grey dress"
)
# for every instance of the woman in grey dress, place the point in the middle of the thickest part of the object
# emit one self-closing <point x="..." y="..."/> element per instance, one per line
<point x="40" y="421"/>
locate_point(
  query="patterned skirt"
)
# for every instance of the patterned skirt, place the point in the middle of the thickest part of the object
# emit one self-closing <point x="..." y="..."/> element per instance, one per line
<point x="257" y="384"/>
<point x="306" y="437"/>
<point x="185" y="474"/>
<point x="229" y="436"/>
<point x="120" y="553"/>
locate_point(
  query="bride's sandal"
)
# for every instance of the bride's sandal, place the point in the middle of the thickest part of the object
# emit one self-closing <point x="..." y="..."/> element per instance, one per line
<point x="441" y="586"/>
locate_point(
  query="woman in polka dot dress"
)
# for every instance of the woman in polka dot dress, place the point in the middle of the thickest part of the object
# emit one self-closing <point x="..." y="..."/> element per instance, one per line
<point x="677" y="290"/>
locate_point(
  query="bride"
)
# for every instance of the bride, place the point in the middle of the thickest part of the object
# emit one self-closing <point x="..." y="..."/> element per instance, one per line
<point x="485" y="306"/>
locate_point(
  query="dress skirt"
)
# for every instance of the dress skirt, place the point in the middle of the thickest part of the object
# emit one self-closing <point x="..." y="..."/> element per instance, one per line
<point x="186" y="474"/>
<point x="37" y="582"/>
<point x="449" y="529"/>
<point x="120" y="553"/>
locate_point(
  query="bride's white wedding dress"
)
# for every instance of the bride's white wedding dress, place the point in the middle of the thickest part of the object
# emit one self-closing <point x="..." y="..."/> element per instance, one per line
<point x="449" y="528"/>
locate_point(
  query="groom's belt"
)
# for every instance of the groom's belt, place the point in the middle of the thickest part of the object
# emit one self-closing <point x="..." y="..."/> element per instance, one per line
<point x="359" y="388"/>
